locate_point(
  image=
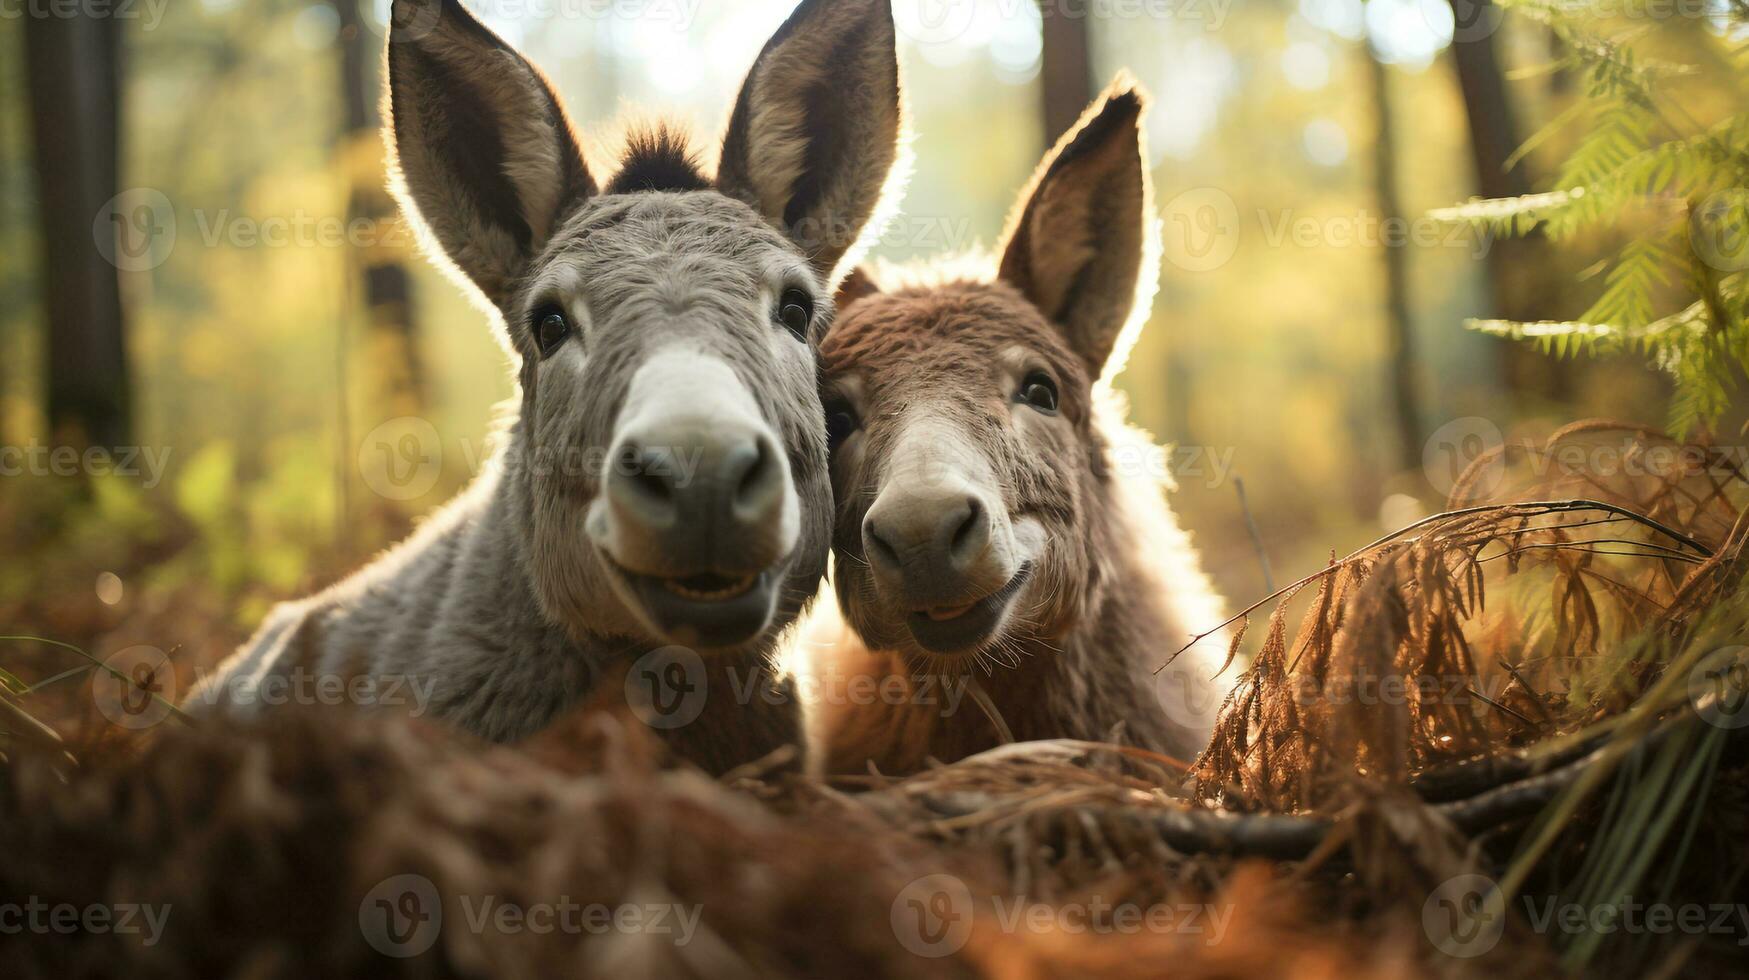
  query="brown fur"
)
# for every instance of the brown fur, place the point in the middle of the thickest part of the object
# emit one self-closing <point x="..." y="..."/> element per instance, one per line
<point x="266" y="841"/>
<point x="1093" y="623"/>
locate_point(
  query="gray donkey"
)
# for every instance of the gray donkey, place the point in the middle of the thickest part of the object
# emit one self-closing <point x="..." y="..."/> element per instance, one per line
<point x="663" y="484"/>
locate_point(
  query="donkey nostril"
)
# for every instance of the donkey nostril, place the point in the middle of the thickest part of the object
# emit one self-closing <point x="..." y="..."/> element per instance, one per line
<point x="877" y="547"/>
<point x="645" y="475"/>
<point x="754" y="461"/>
<point x="968" y="528"/>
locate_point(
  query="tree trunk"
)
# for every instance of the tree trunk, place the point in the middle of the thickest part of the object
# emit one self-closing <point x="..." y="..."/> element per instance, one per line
<point x="1399" y="327"/>
<point x="390" y="341"/>
<point x="1515" y="270"/>
<point x="73" y="77"/>
<point x="1065" y="72"/>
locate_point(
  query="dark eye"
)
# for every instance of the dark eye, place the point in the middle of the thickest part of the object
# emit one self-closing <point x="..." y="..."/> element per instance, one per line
<point x="1039" y="391"/>
<point x="841" y="424"/>
<point x="550" y="330"/>
<point x="795" y="310"/>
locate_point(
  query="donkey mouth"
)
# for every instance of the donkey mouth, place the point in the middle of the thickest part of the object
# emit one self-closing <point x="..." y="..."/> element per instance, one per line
<point x="710" y="587"/>
<point x="708" y="610"/>
<point x="953" y="629"/>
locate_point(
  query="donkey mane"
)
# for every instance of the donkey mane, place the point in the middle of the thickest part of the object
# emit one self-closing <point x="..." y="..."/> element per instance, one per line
<point x="658" y="156"/>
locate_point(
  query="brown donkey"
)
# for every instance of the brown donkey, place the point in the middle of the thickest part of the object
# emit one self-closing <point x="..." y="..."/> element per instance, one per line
<point x="984" y="514"/>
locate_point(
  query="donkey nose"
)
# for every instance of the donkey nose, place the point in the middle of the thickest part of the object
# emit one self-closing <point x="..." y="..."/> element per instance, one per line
<point x="698" y="495"/>
<point x="753" y="481"/>
<point x="933" y="545"/>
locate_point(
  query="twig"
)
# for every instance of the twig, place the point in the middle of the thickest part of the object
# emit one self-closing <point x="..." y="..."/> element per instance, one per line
<point x="1537" y="507"/>
<point x="181" y="715"/>
<point x="1256" y="536"/>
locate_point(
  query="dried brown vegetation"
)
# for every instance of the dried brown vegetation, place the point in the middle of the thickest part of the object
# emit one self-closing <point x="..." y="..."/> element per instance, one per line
<point x="1500" y="689"/>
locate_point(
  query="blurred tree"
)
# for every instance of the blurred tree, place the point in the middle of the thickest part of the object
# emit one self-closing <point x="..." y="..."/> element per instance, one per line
<point x="1399" y="326"/>
<point x="391" y="340"/>
<point x="73" y="79"/>
<point x="1517" y="280"/>
<point x="1065" y="71"/>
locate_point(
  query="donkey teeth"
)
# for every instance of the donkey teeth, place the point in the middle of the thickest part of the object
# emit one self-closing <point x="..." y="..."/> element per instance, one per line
<point x="730" y="591"/>
<point x="941" y="613"/>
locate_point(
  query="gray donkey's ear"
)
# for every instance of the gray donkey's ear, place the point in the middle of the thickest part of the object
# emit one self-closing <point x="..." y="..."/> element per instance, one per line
<point x="815" y="131"/>
<point x="484" y="161"/>
<point x="1077" y="243"/>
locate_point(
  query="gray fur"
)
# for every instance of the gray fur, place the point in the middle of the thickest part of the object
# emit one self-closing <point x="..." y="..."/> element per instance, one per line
<point x="502" y="610"/>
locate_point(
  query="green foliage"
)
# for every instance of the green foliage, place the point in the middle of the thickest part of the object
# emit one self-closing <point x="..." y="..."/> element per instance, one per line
<point x="1645" y="168"/>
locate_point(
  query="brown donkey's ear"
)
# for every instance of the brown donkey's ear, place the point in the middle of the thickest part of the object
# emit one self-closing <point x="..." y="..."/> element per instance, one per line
<point x="815" y="131"/>
<point x="858" y="283"/>
<point x="484" y="161"/>
<point x="1078" y="240"/>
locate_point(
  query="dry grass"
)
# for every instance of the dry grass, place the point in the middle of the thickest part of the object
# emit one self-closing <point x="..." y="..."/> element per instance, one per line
<point x="1529" y="718"/>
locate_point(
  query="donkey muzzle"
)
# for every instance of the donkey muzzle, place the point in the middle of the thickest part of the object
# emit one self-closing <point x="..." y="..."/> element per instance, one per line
<point x="697" y="512"/>
<point x="942" y="554"/>
<point x="698" y="495"/>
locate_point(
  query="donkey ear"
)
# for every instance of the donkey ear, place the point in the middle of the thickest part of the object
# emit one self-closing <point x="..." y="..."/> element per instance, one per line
<point x="1078" y="241"/>
<point x="815" y="130"/>
<point x="858" y="283"/>
<point x="485" y="163"/>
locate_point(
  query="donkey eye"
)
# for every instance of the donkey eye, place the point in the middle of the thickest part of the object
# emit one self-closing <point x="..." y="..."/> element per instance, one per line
<point x="1039" y="391"/>
<point x="841" y="424"/>
<point x="550" y="330"/>
<point x="796" y="311"/>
